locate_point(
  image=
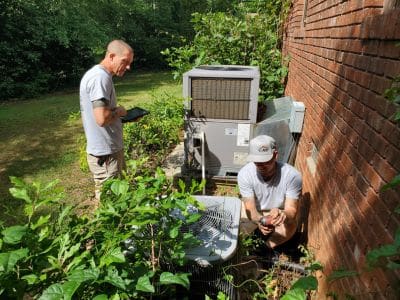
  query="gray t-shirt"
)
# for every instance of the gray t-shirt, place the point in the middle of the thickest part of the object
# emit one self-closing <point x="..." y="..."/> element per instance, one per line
<point x="97" y="84"/>
<point x="286" y="183"/>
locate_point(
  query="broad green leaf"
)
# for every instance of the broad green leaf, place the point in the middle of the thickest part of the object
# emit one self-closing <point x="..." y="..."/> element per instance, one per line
<point x="28" y="209"/>
<point x="113" y="256"/>
<point x="120" y="187"/>
<point x="374" y="255"/>
<point x="69" y="288"/>
<point x="14" y="234"/>
<point x="42" y="220"/>
<point x="51" y="184"/>
<point x="53" y="292"/>
<point x="180" y="278"/>
<point x="315" y="266"/>
<point x="306" y="283"/>
<point x="44" y="232"/>
<point x="115" y="279"/>
<point x="173" y="232"/>
<point x="296" y="294"/>
<point x="391" y="265"/>
<point x="9" y="259"/>
<point x="20" y="193"/>
<point x="144" y="285"/>
<point x="63" y="214"/>
<point x="395" y="182"/>
<point x="83" y="275"/>
<point x="101" y="297"/>
<point x="115" y="297"/>
<point x="341" y="274"/>
<point x="71" y="251"/>
<point x="193" y="218"/>
<point x="145" y="210"/>
<point x="31" y="278"/>
<point x="76" y="261"/>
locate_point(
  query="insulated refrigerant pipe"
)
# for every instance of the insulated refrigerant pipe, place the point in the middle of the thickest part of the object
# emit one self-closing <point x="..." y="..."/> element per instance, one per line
<point x="203" y="160"/>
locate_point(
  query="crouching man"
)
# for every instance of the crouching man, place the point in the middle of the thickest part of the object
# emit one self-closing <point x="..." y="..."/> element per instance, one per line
<point x="270" y="193"/>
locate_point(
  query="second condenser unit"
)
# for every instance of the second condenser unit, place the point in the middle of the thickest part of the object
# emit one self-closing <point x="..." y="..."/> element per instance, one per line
<point x="221" y="110"/>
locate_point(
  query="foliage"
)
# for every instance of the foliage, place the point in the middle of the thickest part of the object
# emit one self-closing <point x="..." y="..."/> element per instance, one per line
<point x="43" y="45"/>
<point x="393" y="94"/>
<point x="276" y="282"/>
<point x="47" y="45"/>
<point x="242" y="37"/>
<point x="57" y="254"/>
<point x="156" y="133"/>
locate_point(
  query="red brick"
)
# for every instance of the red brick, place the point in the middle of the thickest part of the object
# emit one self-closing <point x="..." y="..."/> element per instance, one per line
<point x="355" y="91"/>
<point x="393" y="224"/>
<point x="376" y="65"/>
<point x="384" y="169"/>
<point x="391" y="132"/>
<point x="380" y="84"/>
<point x="389" y="49"/>
<point x="375" y="102"/>
<point x="391" y="199"/>
<point x="373" y="3"/>
<point x="370" y="47"/>
<point x="372" y="177"/>
<point x="392" y="154"/>
<point x="375" y="120"/>
<point x="392" y="68"/>
<point x="366" y="151"/>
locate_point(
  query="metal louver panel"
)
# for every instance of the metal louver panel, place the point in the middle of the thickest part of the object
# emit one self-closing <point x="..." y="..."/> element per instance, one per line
<point x="221" y="98"/>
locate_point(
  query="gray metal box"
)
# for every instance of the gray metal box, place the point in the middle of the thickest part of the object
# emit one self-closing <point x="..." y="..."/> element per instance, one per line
<point x="226" y="146"/>
<point x="222" y="92"/>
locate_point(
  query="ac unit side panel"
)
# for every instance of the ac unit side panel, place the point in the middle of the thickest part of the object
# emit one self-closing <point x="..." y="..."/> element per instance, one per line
<point x="226" y="146"/>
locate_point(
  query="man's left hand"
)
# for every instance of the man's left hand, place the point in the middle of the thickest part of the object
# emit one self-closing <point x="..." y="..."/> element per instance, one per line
<point x="278" y="216"/>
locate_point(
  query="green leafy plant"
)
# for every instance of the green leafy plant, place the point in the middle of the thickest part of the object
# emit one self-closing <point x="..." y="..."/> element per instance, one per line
<point x="157" y="132"/>
<point x="242" y="37"/>
<point x="393" y="94"/>
<point x="130" y="247"/>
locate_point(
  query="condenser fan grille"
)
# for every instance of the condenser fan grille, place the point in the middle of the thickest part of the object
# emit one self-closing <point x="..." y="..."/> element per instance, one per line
<point x="221" y="98"/>
<point x="214" y="222"/>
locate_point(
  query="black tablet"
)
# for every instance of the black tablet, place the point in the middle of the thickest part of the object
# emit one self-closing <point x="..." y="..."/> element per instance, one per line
<point x="133" y="114"/>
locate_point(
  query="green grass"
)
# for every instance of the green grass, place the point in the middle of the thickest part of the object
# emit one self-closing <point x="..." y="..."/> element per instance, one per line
<point x="40" y="137"/>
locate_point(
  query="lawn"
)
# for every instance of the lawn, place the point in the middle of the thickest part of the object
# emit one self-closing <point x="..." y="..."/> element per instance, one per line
<point x="40" y="137"/>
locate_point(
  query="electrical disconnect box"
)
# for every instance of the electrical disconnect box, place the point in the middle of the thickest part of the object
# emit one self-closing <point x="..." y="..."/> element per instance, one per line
<point x="296" y="117"/>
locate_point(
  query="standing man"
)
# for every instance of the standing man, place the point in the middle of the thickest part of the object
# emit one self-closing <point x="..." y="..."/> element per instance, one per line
<point x="101" y="114"/>
<point x="270" y="192"/>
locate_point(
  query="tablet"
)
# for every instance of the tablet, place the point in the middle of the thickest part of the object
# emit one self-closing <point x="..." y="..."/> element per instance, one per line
<point x="133" y="114"/>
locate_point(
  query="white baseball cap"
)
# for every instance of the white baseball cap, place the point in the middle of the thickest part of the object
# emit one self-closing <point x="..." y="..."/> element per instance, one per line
<point x="261" y="149"/>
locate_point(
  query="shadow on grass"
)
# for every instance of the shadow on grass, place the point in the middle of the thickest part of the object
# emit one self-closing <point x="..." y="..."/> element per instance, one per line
<point x="39" y="143"/>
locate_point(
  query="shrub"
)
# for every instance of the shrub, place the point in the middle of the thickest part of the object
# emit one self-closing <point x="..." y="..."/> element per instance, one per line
<point x="239" y="38"/>
<point x="121" y="251"/>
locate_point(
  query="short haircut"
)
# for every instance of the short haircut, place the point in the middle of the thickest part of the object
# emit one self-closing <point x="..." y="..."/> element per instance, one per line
<point x="118" y="47"/>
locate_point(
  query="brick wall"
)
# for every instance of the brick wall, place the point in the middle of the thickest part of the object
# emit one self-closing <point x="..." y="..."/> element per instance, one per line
<point x="342" y="58"/>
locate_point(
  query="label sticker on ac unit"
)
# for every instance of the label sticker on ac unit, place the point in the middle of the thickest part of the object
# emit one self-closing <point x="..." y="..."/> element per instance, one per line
<point x="239" y="158"/>
<point x="231" y="131"/>
<point x="243" y="135"/>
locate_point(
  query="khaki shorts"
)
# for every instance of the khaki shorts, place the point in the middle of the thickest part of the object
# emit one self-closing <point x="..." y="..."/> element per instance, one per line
<point x="112" y="167"/>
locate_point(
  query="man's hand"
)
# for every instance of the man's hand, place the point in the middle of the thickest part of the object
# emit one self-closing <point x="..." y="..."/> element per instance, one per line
<point x="278" y="216"/>
<point x="120" y="111"/>
<point x="267" y="229"/>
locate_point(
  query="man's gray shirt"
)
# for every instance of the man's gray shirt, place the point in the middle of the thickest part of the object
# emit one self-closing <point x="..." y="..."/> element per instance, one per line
<point x="286" y="183"/>
<point x="97" y="84"/>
